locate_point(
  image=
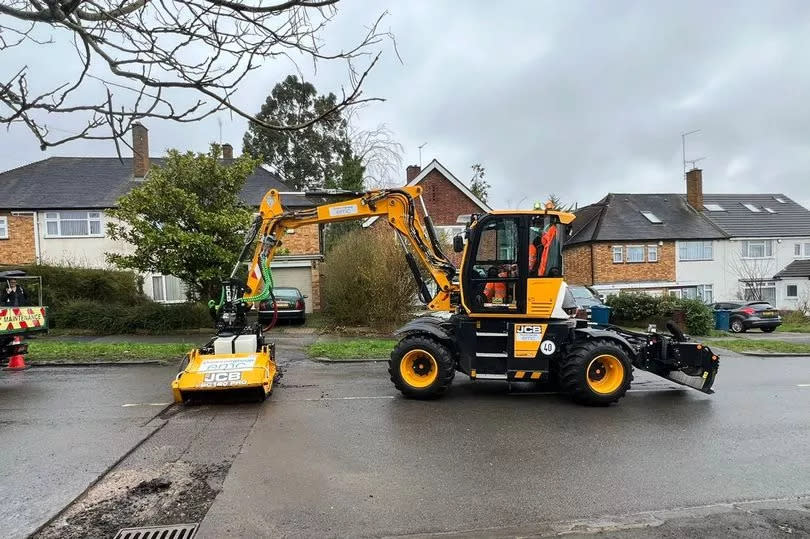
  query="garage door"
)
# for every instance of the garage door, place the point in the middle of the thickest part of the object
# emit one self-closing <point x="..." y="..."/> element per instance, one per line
<point x="300" y="278"/>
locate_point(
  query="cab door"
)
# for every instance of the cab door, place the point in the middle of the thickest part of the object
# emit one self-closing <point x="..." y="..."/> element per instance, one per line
<point x="493" y="278"/>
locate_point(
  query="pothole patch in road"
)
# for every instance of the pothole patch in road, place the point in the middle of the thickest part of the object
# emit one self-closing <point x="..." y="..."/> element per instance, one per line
<point x="178" y="492"/>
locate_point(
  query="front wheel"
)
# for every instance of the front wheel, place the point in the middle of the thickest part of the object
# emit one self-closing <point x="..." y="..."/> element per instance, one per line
<point x="737" y="326"/>
<point x="596" y="372"/>
<point x="421" y="367"/>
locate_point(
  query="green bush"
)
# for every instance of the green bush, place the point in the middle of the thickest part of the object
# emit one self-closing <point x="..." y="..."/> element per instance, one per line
<point x="630" y="308"/>
<point x="63" y="284"/>
<point x="367" y="281"/>
<point x="110" y="318"/>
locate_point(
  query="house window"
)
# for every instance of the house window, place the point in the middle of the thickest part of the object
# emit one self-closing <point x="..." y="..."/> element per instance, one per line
<point x="617" y="254"/>
<point x="168" y="289"/>
<point x="801" y="249"/>
<point x="760" y="291"/>
<point x="757" y="249"/>
<point x="695" y="250"/>
<point x="792" y="290"/>
<point x="73" y="224"/>
<point x="652" y="253"/>
<point x="713" y="207"/>
<point x="752" y="208"/>
<point x="3" y="228"/>
<point x="651" y="217"/>
<point x="635" y="253"/>
<point x="703" y="292"/>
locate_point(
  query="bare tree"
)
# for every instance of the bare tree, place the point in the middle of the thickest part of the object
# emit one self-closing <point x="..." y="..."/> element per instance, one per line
<point x="137" y="59"/>
<point x="752" y="274"/>
<point x="378" y="150"/>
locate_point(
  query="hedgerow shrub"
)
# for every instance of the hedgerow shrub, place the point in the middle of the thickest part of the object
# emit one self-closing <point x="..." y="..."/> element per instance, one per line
<point x="62" y="284"/>
<point x="367" y="281"/>
<point x="110" y="318"/>
<point x="641" y="309"/>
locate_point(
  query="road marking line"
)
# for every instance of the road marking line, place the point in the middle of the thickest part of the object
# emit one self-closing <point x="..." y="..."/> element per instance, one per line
<point x="802" y="385"/>
<point x="145" y="404"/>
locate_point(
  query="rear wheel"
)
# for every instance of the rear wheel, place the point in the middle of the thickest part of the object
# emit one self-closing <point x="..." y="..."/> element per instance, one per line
<point x="768" y="330"/>
<point x="421" y="367"/>
<point x="737" y="326"/>
<point x="596" y="372"/>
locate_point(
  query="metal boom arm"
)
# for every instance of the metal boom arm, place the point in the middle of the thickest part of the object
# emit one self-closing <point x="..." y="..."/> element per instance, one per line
<point x="396" y="206"/>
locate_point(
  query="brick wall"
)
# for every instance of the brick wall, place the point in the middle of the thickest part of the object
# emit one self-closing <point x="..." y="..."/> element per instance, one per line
<point x="577" y="264"/>
<point x="605" y="271"/>
<point x="305" y="241"/>
<point x="19" y="247"/>
<point x="444" y="201"/>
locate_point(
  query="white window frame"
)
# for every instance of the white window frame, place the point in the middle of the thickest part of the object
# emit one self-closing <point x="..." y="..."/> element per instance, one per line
<point x="617" y="250"/>
<point x="787" y="291"/>
<point x="641" y="247"/>
<point x="56" y="217"/>
<point x="751" y="207"/>
<point x="803" y="249"/>
<point x="746" y="249"/>
<point x="702" y="256"/>
<point x="162" y="279"/>
<point x="652" y="253"/>
<point x="4" y="227"/>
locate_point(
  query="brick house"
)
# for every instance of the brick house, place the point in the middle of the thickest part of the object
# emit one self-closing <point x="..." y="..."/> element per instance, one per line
<point x="447" y="199"/>
<point x="695" y="245"/>
<point x="53" y="212"/>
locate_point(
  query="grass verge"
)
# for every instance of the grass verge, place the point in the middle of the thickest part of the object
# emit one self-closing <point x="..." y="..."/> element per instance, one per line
<point x="762" y="345"/>
<point x="42" y="351"/>
<point x="353" y="349"/>
<point x="794" y="328"/>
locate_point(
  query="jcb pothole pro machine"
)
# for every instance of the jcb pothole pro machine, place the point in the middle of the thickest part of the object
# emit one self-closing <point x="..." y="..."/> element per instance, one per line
<point x="510" y="310"/>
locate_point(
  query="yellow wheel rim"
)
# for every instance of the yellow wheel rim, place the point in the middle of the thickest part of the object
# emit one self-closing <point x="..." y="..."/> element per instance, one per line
<point x="418" y="368"/>
<point x="605" y="374"/>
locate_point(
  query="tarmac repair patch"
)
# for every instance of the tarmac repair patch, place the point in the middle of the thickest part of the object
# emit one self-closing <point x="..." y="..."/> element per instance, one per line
<point x="180" y="492"/>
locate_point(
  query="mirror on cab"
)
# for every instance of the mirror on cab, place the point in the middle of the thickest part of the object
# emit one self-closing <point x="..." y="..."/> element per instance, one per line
<point x="458" y="243"/>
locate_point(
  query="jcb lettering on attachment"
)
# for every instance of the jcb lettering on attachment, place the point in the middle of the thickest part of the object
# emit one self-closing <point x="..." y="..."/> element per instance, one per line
<point x="526" y="332"/>
<point x="337" y="211"/>
<point x="222" y="379"/>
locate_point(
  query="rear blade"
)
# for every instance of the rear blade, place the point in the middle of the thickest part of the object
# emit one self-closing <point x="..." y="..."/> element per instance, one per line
<point x="686" y="363"/>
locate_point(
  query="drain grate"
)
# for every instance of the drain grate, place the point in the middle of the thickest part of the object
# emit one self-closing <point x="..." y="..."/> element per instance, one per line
<point x="177" y="531"/>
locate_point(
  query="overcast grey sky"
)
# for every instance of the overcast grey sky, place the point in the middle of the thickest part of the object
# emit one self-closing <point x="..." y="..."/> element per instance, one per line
<point x="576" y="98"/>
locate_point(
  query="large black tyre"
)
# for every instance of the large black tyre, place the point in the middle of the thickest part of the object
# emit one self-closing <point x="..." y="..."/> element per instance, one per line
<point x="596" y="372"/>
<point x="421" y="367"/>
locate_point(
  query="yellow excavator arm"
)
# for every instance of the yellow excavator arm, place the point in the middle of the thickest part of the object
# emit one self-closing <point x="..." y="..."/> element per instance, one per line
<point x="396" y="206"/>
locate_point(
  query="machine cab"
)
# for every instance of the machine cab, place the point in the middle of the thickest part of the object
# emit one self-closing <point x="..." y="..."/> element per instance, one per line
<point x="513" y="265"/>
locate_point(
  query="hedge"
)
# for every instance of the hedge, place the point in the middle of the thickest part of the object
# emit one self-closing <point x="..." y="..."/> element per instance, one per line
<point x="63" y="284"/>
<point x="641" y="309"/>
<point x="109" y="318"/>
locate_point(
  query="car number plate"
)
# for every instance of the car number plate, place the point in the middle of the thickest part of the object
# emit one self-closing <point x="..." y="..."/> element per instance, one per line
<point x="768" y="314"/>
<point x="282" y="304"/>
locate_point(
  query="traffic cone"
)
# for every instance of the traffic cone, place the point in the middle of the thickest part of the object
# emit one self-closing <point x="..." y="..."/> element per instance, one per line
<point x="16" y="362"/>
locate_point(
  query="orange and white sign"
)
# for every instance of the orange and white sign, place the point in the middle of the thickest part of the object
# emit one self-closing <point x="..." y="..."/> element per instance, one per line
<point x="21" y="318"/>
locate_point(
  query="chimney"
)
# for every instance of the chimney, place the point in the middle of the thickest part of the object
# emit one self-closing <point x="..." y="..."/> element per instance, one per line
<point x="140" y="150"/>
<point x="412" y="172"/>
<point x="227" y="151"/>
<point x="694" y="188"/>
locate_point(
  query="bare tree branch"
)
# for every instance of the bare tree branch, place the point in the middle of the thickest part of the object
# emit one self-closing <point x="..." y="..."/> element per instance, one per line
<point x="139" y="58"/>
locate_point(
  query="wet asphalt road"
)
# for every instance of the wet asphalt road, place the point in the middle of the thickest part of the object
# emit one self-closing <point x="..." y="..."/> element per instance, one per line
<point x="336" y="452"/>
<point x="62" y="427"/>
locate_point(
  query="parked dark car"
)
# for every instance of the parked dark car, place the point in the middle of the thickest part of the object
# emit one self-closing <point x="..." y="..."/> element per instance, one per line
<point x="290" y="305"/>
<point x="753" y="314"/>
<point x="585" y="298"/>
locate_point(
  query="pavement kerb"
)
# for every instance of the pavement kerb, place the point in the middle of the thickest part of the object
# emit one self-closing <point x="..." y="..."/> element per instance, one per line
<point x="774" y="354"/>
<point x="98" y="363"/>
<point x="357" y="360"/>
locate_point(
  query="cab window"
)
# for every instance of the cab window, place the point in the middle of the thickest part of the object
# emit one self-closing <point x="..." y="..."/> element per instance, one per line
<point x="495" y="269"/>
<point x="545" y="247"/>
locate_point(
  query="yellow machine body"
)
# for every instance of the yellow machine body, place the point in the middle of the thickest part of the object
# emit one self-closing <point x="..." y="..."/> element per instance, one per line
<point x="245" y="374"/>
